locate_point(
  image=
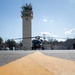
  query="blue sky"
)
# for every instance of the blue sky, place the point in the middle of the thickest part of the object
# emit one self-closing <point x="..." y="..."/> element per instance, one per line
<point x="54" y="18"/>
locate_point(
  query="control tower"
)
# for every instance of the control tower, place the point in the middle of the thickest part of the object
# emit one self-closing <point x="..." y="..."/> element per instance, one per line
<point x="27" y="16"/>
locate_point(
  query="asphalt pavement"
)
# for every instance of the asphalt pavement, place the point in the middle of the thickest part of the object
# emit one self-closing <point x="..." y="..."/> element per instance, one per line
<point x="9" y="56"/>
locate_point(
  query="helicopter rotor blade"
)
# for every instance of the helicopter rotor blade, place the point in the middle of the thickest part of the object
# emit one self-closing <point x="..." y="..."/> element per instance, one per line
<point x="23" y="38"/>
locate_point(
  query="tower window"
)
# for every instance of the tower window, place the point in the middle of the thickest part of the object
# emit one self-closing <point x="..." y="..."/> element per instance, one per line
<point x="26" y="19"/>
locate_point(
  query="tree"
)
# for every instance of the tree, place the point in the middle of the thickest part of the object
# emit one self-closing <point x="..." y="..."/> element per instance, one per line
<point x="1" y="41"/>
<point x="55" y="42"/>
<point x="10" y="43"/>
<point x="52" y="42"/>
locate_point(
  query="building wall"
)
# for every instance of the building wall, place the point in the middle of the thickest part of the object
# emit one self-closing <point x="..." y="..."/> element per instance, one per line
<point x="27" y="32"/>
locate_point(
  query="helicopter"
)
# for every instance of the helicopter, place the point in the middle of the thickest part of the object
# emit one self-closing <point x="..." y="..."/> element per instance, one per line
<point x="37" y="42"/>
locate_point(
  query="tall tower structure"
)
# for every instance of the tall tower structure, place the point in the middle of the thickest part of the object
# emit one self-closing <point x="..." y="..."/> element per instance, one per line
<point x="27" y="15"/>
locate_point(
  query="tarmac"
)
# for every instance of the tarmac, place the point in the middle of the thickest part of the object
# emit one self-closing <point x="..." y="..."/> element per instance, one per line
<point x="39" y="63"/>
<point x="9" y="56"/>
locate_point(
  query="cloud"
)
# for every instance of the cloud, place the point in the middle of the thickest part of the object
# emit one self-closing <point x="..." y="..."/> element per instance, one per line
<point x="53" y="36"/>
<point x="47" y="19"/>
<point x="71" y="31"/>
<point x="49" y="34"/>
<point x="61" y="40"/>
